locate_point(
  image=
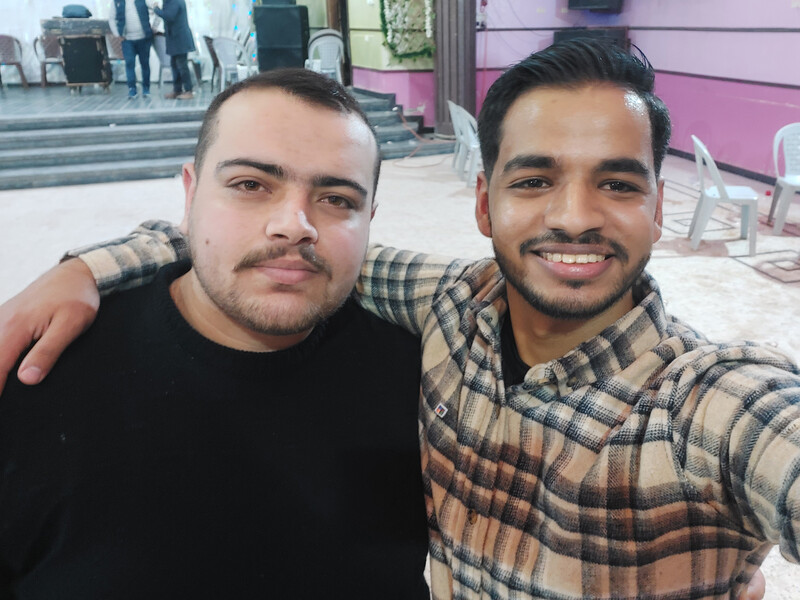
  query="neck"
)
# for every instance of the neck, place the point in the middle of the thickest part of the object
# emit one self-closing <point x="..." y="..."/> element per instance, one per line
<point x="541" y="338"/>
<point x="208" y="320"/>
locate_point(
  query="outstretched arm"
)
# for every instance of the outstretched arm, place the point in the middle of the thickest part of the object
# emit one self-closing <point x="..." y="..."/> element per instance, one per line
<point x="60" y="305"/>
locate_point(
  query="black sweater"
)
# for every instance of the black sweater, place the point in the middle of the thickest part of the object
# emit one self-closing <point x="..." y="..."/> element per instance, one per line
<point x="154" y="463"/>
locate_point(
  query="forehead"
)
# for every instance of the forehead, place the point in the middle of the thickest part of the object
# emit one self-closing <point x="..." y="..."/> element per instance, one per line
<point x="594" y="121"/>
<point x="274" y="127"/>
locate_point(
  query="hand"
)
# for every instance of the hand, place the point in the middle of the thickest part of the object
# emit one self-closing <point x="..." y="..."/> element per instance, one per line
<point x="52" y="311"/>
<point x="756" y="588"/>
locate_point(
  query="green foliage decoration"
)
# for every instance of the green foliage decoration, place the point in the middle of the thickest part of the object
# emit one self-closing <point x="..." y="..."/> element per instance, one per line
<point x="407" y="27"/>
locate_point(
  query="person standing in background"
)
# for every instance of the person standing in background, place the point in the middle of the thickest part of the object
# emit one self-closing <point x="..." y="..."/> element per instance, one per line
<point x="130" y="20"/>
<point x="179" y="43"/>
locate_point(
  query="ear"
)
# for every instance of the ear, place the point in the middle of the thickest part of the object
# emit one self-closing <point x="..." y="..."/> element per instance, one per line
<point x="658" y="218"/>
<point x="374" y="208"/>
<point x="189" y="187"/>
<point x="482" y="205"/>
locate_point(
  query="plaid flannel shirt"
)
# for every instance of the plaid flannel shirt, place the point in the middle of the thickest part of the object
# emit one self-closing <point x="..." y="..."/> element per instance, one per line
<point x="646" y="463"/>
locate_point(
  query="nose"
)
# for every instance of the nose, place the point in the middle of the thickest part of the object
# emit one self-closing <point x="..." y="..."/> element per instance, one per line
<point x="289" y="221"/>
<point x="576" y="210"/>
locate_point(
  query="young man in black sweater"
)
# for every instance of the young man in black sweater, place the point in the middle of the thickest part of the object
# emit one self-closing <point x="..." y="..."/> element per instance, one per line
<point x="238" y="428"/>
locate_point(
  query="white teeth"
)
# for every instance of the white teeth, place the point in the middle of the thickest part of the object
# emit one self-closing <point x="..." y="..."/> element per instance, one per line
<point x="573" y="258"/>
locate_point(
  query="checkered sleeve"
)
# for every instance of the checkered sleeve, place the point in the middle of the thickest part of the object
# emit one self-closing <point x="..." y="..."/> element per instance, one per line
<point x="400" y="286"/>
<point x="740" y="444"/>
<point x="133" y="260"/>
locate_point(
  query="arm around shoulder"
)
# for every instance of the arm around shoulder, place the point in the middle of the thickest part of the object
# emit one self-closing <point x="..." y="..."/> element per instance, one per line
<point x="52" y="311"/>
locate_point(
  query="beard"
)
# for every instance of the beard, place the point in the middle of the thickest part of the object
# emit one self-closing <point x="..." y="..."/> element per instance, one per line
<point x="572" y="307"/>
<point x="276" y="316"/>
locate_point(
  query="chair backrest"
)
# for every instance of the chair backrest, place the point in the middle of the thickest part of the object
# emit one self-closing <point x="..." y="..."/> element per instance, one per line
<point x="789" y="135"/>
<point x="114" y="45"/>
<point x="160" y="46"/>
<point x="324" y="33"/>
<point x="328" y="47"/>
<point x="10" y="49"/>
<point x="211" y="52"/>
<point x="465" y="126"/>
<point x="702" y="157"/>
<point x="47" y="47"/>
<point x="229" y="51"/>
<point x="457" y="121"/>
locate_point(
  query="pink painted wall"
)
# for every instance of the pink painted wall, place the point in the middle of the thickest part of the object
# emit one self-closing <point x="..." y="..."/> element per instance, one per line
<point x="415" y="90"/>
<point x="736" y="120"/>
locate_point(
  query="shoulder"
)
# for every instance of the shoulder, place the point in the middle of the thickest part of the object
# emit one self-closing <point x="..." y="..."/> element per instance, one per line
<point x="737" y="373"/>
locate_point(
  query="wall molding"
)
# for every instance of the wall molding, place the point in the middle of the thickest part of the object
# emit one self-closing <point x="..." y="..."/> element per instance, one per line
<point x="768" y="179"/>
<point x="374" y="70"/>
<point x="787" y="86"/>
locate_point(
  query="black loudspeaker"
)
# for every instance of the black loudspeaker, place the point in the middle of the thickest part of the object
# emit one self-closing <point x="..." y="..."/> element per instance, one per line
<point x="281" y="35"/>
<point x="275" y="58"/>
<point x="85" y="60"/>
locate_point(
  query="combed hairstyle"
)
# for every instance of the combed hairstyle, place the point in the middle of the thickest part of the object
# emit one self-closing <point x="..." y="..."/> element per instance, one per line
<point x="572" y="64"/>
<point x="306" y="85"/>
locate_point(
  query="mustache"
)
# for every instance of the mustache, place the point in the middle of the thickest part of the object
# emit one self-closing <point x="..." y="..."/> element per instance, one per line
<point x="306" y="252"/>
<point x="560" y="237"/>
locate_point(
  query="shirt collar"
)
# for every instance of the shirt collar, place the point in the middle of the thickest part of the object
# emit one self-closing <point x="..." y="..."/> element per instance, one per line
<point x="611" y="351"/>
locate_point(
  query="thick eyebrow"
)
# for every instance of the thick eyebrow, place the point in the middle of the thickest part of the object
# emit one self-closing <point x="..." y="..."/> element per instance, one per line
<point x="269" y="169"/>
<point x="331" y="181"/>
<point x="530" y="161"/>
<point x="623" y="165"/>
<point x="280" y="173"/>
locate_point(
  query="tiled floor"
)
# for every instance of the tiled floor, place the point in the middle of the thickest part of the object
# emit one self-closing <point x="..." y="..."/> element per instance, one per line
<point x="16" y="100"/>
<point x="423" y="205"/>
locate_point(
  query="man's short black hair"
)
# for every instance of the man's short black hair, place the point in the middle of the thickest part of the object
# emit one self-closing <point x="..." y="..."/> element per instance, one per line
<point x="306" y="85"/>
<point x="569" y="64"/>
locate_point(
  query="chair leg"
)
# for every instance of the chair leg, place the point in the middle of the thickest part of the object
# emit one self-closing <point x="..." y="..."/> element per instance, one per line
<point x="702" y="216"/>
<point x="22" y="76"/>
<point x="43" y="82"/>
<point x="775" y="195"/>
<point x="783" y="210"/>
<point x="697" y="210"/>
<point x="753" y="220"/>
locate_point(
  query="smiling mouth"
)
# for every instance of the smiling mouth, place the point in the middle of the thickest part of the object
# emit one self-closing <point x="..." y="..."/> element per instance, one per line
<point x="572" y="259"/>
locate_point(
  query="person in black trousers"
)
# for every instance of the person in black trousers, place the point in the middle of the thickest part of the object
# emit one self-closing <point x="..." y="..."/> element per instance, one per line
<point x="179" y="43"/>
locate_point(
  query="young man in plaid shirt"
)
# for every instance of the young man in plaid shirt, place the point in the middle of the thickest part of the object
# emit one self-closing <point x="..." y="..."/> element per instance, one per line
<point x="578" y="442"/>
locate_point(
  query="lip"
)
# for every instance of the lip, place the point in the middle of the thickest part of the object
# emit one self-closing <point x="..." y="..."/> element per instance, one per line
<point x="287" y="271"/>
<point x="574" y="271"/>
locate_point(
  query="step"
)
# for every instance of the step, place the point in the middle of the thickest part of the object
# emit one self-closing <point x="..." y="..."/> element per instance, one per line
<point x="396" y="132"/>
<point x="14" y="179"/>
<point x="401" y="149"/>
<point x="72" y="155"/>
<point x="57" y="138"/>
<point x="383" y="117"/>
<point x="100" y="118"/>
<point x="371" y="104"/>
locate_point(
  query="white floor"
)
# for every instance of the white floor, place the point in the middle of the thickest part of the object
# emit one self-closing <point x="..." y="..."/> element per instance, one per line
<point x="424" y="206"/>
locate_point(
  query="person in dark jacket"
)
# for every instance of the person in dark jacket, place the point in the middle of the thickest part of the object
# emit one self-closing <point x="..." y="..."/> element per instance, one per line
<point x="130" y="19"/>
<point x="179" y="43"/>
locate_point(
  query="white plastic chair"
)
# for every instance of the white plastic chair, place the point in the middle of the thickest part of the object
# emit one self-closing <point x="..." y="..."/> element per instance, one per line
<point x="232" y="56"/>
<point x="718" y="193"/>
<point x="788" y="183"/>
<point x="467" y="152"/>
<point x="325" y="53"/>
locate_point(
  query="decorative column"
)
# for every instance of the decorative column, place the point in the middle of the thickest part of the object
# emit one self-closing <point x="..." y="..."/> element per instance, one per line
<point x="454" y="63"/>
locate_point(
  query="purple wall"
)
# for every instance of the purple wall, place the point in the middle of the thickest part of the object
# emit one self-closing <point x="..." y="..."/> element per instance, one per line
<point x="698" y="47"/>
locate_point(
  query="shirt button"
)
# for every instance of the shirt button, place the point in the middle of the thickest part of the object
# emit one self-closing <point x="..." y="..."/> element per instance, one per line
<point x="472" y="517"/>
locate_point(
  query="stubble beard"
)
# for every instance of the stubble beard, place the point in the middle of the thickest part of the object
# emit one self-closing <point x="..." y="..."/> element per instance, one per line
<point x="570" y="308"/>
<point x="263" y="315"/>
